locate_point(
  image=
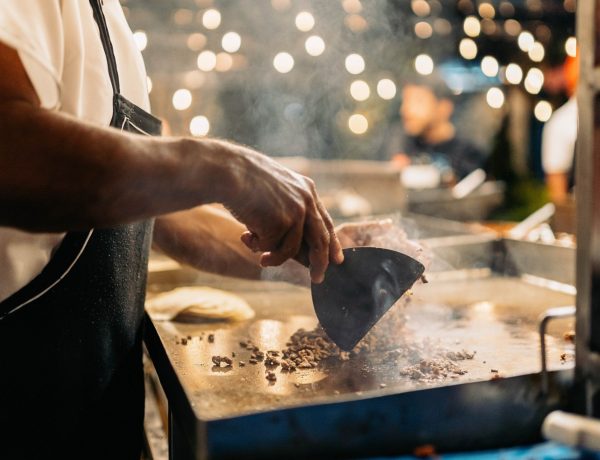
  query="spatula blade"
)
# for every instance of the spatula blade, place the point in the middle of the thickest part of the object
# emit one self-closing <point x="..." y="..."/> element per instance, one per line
<point x="357" y="293"/>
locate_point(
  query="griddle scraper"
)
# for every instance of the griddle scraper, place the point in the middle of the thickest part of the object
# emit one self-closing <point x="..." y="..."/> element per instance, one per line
<point x="357" y="293"/>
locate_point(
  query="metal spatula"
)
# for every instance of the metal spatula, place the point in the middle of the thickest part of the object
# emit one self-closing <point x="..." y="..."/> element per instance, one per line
<point x="357" y="293"/>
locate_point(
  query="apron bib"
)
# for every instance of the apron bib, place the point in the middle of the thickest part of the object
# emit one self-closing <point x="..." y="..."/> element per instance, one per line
<point x="71" y="377"/>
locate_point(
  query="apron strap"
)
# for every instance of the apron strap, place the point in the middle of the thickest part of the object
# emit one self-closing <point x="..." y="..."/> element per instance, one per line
<point x="106" y="44"/>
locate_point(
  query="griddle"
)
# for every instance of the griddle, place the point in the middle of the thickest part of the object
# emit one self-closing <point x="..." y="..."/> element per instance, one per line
<point x="341" y="410"/>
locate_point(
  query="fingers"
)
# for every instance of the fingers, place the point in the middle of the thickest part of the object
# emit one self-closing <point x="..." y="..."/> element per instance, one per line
<point x="335" y="248"/>
<point x="288" y="248"/>
<point x="318" y="240"/>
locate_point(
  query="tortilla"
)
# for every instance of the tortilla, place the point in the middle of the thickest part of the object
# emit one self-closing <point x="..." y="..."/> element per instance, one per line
<point x="196" y="302"/>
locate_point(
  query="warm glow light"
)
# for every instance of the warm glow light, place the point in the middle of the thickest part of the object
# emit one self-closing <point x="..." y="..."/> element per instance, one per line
<point x="495" y="98"/>
<point x="420" y="7"/>
<point x="305" y="21"/>
<point x="534" y="80"/>
<point x="182" y="99"/>
<point x="467" y="48"/>
<point x="356" y="23"/>
<point x="149" y="84"/>
<point x="571" y="46"/>
<point x="486" y="10"/>
<point x="471" y="26"/>
<point x="281" y="5"/>
<point x="512" y="27"/>
<point x="358" y="123"/>
<point x="352" y="6"/>
<point x="423" y="29"/>
<point x="424" y="64"/>
<point x="355" y="64"/>
<point x="207" y="60"/>
<point x="525" y="41"/>
<point x="543" y="111"/>
<point x="141" y="39"/>
<point x="360" y="90"/>
<point x="224" y="62"/>
<point x="314" y="45"/>
<point x="489" y="66"/>
<point x="199" y="126"/>
<point x="537" y="52"/>
<point x="231" y="42"/>
<point x="283" y="62"/>
<point x="386" y="89"/>
<point x="196" y="41"/>
<point x="514" y="74"/>
<point x="211" y="19"/>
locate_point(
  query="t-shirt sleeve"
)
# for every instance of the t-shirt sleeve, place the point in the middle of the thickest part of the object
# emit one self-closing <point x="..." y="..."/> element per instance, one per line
<point x="557" y="146"/>
<point x="34" y="29"/>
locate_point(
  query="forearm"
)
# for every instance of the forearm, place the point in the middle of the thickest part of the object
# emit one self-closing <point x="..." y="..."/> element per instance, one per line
<point x="207" y="238"/>
<point x="58" y="173"/>
<point x="558" y="186"/>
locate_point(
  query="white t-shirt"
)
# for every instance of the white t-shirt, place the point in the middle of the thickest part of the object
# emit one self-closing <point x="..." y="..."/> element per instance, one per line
<point x="558" y="139"/>
<point x="59" y="44"/>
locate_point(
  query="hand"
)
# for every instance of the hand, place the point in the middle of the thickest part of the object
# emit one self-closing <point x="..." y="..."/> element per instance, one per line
<point x="284" y="215"/>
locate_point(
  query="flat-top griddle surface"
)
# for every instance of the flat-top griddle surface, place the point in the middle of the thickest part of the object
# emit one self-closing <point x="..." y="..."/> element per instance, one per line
<point x="495" y="318"/>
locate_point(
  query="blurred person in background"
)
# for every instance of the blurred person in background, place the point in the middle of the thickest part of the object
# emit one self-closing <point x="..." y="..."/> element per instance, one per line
<point x="83" y="195"/>
<point x="559" y="137"/>
<point x="428" y="134"/>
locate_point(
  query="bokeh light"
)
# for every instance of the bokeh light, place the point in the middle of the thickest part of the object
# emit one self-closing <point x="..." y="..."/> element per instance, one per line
<point x="211" y="19"/>
<point x="420" y="7"/>
<point x="359" y="90"/>
<point x="424" y="64"/>
<point x="358" y="123"/>
<point x="207" y="60"/>
<point x="543" y="111"/>
<point x="534" y="80"/>
<point x="305" y="21"/>
<point x="199" y="126"/>
<point x="423" y="29"/>
<point x="471" y="26"/>
<point x="283" y="62"/>
<point x="525" y="41"/>
<point x="386" y="89"/>
<point x="514" y="73"/>
<point x="231" y="42"/>
<point x="141" y="39"/>
<point x="495" y="98"/>
<point x="467" y="48"/>
<point x="196" y="41"/>
<point x="314" y="45"/>
<point x="355" y="64"/>
<point x="537" y="52"/>
<point x="489" y="66"/>
<point x="182" y="99"/>
<point x="486" y="10"/>
<point x="571" y="46"/>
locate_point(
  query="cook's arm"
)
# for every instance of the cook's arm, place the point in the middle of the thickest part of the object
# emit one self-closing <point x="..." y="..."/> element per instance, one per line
<point x="208" y="238"/>
<point x="58" y="173"/>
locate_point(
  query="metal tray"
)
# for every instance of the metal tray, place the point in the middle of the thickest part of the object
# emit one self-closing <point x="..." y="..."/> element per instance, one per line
<point x="486" y="303"/>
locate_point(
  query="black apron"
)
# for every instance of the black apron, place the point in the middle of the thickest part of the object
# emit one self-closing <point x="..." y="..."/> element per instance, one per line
<point x="71" y="377"/>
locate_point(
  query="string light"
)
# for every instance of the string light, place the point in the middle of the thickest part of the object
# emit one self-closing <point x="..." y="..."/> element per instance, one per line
<point x="525" y="41"/>
<point x="231" y="42"/>
<point x="386" y="89"/>
<point x="305" y="21"/>
<point x="495" y="98"/>
<point x="420" y="7"/>
<point x="467" y="48"/>
<point x="283" y="62"/>
<point x="211" y="19"/>
<point x="424" y="64"/>
<point x="141" y="39"/>
<point x="512" y="27"/>
<point x="314" y="45"/>
<point x="489" y="66"/>
<point x="514" y="73"/>
<point x="534" y="80"/>
<point x="182" y="99"/>
<point x="199" y="126"/>
<point x="207" y="60"/>
<point x="359" y="90"/>
<point x="471" y="26"/>
<point x="358" y="123"/>
<point x="571" y="46"/>
<point x="543" y="111"/>
<point x="355" y="64"/>
<point x="537" y="52"/>
<point x="423" y="29"/>
<point x="486" y="10"/>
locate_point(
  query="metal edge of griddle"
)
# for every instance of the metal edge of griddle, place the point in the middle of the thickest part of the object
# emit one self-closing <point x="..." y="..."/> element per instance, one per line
<point x="469" y="416"/>
<point x="178" y="401"/>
